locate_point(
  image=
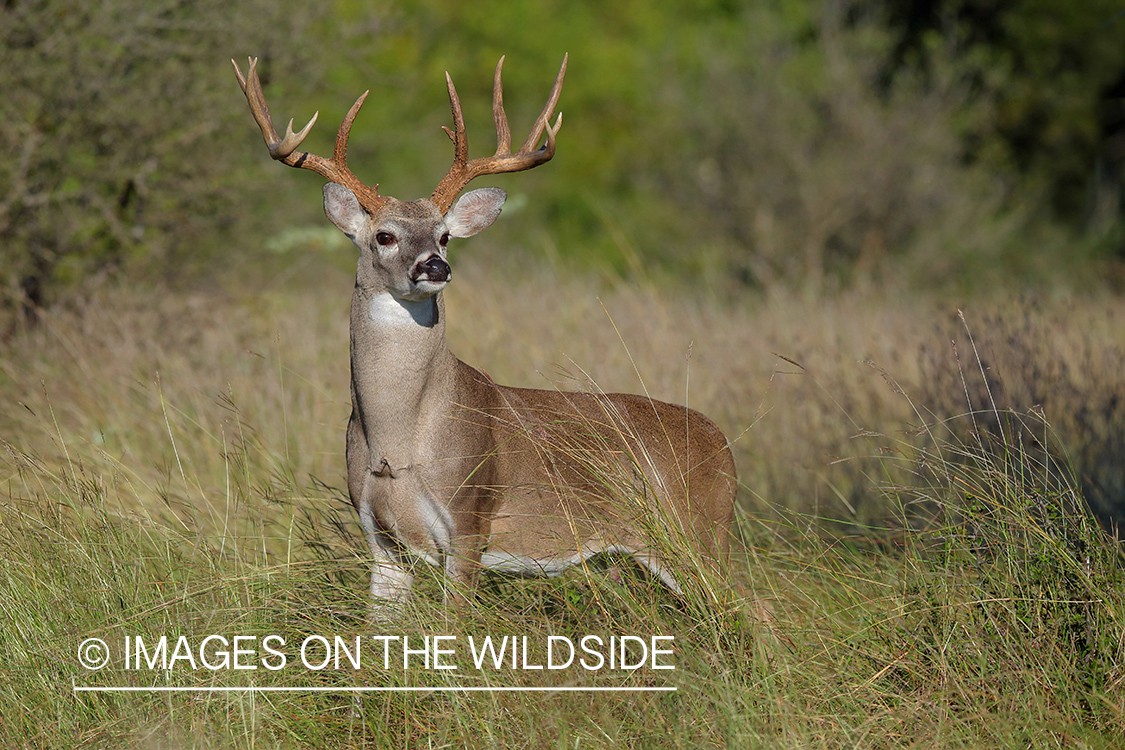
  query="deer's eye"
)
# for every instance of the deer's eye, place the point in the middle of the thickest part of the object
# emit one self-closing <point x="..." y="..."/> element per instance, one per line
<point x="385" y="238"/>
<point x="444" y="239"/>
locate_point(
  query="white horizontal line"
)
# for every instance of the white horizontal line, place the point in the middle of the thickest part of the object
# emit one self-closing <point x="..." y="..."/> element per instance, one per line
<point x="444" y="689"/>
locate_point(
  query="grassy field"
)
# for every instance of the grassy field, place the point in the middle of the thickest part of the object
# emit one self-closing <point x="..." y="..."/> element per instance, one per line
<point x="918" y="566"/>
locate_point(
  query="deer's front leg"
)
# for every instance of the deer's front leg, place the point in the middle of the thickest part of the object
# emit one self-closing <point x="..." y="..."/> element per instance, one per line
<point x="391" y="578"/>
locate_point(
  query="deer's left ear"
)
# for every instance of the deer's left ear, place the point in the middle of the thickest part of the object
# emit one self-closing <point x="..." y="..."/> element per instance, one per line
<point x="474" y="211"/>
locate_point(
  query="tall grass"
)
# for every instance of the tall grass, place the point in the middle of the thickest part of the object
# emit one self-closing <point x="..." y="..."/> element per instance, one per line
<point x="173" y="465"/>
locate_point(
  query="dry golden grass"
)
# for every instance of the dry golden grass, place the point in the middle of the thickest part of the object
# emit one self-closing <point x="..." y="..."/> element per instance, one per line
<point x="799" y="386"/>
<point x="173" y="462"/>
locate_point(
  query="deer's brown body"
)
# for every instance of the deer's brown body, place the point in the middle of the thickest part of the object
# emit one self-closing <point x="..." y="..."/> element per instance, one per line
<point x="446" y="465"/>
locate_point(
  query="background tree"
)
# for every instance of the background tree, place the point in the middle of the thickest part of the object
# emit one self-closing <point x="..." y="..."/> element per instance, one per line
<point x="116" y="120"/>
<point x="1057" y="73"/>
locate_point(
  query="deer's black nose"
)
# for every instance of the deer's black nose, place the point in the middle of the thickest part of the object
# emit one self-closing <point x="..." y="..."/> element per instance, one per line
<point x="433" y="269"/>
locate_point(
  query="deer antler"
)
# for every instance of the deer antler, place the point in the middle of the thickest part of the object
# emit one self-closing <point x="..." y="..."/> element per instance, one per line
<point x="285" y="149"/>
<point x="503" y="160"/>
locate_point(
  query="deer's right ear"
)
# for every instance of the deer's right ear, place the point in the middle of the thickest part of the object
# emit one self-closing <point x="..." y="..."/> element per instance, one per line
<point x="343" y="209"/>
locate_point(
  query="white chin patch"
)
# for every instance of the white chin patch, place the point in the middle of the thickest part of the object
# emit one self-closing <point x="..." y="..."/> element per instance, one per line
<point x="419" y="291"/>
<point x="426" y="288"/>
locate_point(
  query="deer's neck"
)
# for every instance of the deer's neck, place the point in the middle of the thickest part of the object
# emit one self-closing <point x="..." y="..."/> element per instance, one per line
<point x="402" y="371"/>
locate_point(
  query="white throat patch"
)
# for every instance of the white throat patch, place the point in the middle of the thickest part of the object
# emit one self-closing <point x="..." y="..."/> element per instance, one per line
<point x="388" y="310"/>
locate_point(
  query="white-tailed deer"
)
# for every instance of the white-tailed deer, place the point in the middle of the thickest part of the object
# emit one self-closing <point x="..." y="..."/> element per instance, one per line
<point x="445" y="464"/>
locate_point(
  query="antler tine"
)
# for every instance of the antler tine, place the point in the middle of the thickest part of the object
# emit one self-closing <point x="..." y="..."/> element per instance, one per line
<point x="285" y="149"/>
<point x="463" y="171"/>
<point x="279" y="147"/>
<point x="340" y="150"/>
<point x="457" y="135"/>
<point x="503" y="133"/>
<point x="544" y="120"/>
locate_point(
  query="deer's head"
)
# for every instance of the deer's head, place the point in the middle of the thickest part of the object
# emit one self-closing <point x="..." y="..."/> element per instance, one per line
<point x="403" y="244"/>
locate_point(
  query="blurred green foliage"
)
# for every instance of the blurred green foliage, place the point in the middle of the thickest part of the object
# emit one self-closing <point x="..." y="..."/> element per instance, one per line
<point x="777" y="144"/>
<point x="1056" y="72"/>
<point x="115" y="121"/>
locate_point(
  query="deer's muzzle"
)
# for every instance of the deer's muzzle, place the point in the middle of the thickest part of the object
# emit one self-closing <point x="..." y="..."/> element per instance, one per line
<point x="432" y="269"/>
